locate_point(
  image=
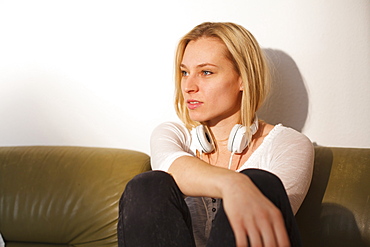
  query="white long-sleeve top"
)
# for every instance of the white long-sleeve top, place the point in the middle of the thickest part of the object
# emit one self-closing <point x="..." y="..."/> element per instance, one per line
<point x="284" y="152"/>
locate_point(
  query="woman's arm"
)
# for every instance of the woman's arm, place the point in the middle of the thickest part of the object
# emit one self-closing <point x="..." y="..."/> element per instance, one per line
<point x="262" y="222"/>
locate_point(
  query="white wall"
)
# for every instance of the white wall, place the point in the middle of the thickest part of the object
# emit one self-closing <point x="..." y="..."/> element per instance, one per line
<point x="99" y="73"/>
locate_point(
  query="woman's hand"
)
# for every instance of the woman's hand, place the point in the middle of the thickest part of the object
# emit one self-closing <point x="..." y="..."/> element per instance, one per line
<point x="249" y="212"/>
<point x="252" y="215"/>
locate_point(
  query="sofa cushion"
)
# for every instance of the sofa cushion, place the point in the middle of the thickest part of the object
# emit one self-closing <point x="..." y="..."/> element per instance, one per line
<point x="64" y="195"/>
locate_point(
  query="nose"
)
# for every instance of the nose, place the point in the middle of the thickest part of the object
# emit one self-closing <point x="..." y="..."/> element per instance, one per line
<point x="190" y="84"/>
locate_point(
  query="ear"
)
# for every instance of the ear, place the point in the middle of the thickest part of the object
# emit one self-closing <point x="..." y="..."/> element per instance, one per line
<point x="241" y="84"/>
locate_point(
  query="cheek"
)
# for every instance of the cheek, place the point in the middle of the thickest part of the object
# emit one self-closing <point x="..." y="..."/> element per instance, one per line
<point x="232" y="97"/>
<point x="229" y="89"/>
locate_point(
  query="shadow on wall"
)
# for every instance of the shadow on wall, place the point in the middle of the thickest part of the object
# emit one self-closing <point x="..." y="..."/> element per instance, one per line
<point x="288" y="100"/>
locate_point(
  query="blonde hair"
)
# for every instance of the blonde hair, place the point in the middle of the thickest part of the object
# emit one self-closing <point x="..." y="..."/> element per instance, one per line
<point x="247" y="58"/>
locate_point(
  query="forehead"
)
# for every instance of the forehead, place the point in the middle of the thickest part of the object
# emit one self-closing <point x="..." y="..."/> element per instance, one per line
<point x="205" y="50"/>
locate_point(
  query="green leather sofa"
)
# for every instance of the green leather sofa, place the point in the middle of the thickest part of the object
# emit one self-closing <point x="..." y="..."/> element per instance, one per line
<point x="68" y="196"/>
<point x="63" y="196"/>
<point x="336" y="210"/>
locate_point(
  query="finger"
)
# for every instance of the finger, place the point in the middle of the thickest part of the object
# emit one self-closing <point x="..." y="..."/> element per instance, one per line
<point x="254" y="236"/>
<point x="281" y="235"/>
<point x="240" y="238"/>
<point x="268" y="234"/>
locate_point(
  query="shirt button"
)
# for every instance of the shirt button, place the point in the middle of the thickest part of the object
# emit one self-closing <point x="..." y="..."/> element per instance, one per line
<point x="213" y="209"/>
<point x="213" y="200"/>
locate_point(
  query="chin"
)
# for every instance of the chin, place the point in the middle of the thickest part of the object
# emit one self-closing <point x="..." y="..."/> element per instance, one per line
<point x="197" y="120"/>
<point x="198" y="117"/>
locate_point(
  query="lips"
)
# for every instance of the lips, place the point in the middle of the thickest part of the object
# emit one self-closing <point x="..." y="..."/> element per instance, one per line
<point x="193" y="104"/>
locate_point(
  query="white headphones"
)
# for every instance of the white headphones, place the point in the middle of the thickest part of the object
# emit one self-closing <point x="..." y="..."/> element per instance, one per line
<point x="238" y="138"/>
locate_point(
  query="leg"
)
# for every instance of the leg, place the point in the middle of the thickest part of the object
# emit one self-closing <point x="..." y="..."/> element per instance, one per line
<point x="152" y="212"/>
<point x="271" y="186"/>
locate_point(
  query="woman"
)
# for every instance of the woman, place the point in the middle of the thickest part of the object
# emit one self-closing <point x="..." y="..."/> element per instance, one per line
<point x="221" y="177"/>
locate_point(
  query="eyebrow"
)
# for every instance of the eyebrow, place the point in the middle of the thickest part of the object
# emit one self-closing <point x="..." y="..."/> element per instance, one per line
<point x="200" y="65"/>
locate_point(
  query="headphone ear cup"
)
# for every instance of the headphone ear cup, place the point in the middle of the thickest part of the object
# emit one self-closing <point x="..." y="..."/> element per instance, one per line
<point x="204" y="141"/>
<point x="238" y="139"/>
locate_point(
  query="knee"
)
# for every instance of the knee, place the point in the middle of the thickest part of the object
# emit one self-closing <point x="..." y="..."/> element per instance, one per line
<point x="148" y="183"/>
<point x="264" y="180"/>
<point x="149" y="180"/>
<point x="271" y="186"/>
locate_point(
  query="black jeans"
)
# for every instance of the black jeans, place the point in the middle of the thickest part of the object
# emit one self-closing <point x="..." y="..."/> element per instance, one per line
<point x="153" y="212"/>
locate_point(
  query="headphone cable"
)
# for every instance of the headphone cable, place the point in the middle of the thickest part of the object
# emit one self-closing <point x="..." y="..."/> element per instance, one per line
<point x="231" y="159"/>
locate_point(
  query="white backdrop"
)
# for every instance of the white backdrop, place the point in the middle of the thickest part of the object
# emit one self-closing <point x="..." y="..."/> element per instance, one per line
<point x="100" y="73"/>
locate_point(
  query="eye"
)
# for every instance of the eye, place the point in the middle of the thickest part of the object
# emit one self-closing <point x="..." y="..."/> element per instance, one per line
<point x="206" y="72"/>
<point x="184" y="73"/>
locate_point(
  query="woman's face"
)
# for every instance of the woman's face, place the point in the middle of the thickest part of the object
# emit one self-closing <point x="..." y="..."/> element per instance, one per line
<point x="210" y="85"/>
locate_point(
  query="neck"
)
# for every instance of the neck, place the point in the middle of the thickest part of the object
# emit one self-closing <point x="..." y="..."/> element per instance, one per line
<point x="221" y="130"/>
